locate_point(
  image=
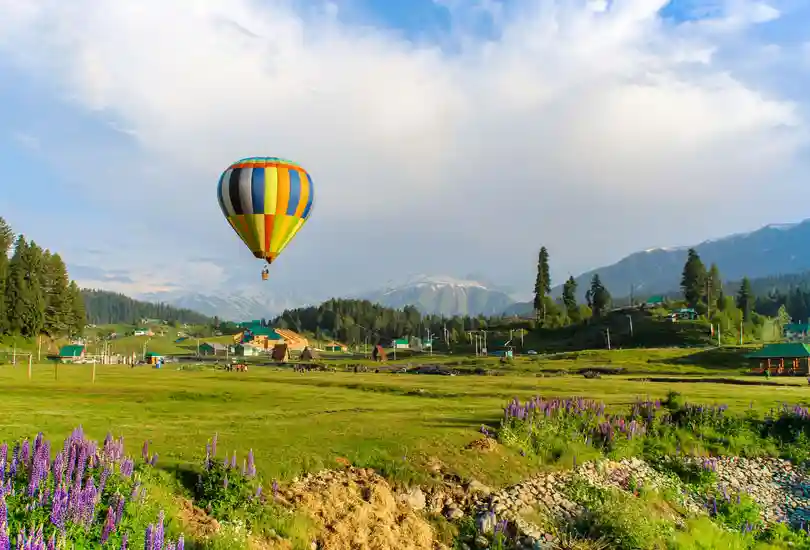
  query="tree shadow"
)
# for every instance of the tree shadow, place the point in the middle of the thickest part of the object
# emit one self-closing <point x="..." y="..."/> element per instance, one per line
<point x="724" y="358"/>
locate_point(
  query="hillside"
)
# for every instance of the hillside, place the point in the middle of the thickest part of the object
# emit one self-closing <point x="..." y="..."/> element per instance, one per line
<point x="771" y="250"/>
<point x="104" y="308"/>
<point x="441" y="295"/>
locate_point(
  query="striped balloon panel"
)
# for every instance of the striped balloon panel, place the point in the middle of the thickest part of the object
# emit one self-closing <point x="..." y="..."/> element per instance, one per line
<point x="266" y="200"/>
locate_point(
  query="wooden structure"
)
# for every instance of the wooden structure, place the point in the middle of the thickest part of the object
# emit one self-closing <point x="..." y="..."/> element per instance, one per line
<point x="308" y="354"/>
<point x="153" y="358"/>
<point x="378" y="354"/>
<point x="789" y="358"/>
<point x="71" y="354"/>
<point x="281" y="353"/>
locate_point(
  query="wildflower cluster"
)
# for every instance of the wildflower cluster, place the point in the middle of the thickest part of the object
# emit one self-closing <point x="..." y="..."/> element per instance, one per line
<point x="79" y="498"/>
<point x="227" y="489"/>
<point x="735" y="511"/>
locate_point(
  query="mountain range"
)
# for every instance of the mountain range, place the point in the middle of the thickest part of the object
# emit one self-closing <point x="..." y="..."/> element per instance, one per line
<point x="771" y="250"/>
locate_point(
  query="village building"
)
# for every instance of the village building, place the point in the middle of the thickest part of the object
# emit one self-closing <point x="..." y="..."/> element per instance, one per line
<point x="785" y="358"/>
<point x="71" y="354"/>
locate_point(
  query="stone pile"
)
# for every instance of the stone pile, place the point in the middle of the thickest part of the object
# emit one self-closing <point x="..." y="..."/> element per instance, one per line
<point x="781" y="489"/>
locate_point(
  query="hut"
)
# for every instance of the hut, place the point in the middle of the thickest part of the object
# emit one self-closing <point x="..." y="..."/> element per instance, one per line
<point x="213" y="348"/>
<point x="786" y="358"/>
<point x="308" y="354"/>
<point x="153" y="358"/>
<point x="71" y="354"/>
<point x="378" y="354"/>
<point x="281" y="353"/>
<point x="247" y="350"/>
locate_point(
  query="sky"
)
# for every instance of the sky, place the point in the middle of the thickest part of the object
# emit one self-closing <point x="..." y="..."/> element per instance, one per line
<point x="443" y="136"/>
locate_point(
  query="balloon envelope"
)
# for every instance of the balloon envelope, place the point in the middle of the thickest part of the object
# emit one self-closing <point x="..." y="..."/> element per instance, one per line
<point x="267" y="200"/>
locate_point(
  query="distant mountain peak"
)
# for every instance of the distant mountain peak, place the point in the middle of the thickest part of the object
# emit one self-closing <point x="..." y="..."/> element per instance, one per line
<point x="442" y="295"/>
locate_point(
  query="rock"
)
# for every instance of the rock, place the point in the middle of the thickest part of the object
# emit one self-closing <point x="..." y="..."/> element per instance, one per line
<point x="453" y="513"/>
<point x="476" y="486"/>
<point x="414" y="498"/>
<point x="481" y="542"/>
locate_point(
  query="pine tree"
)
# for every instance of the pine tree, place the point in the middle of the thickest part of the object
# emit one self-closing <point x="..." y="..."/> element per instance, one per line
<point x="77" y="314"/>
<point x="714" y="287"/>
<point x="16" y="288"/>
<point x="58" y="301"/>
<point x="6" y="240"/>
<point x="598" y="296"/>
<point x="693" y="279"/>
<point x="569" y="298"/>
<point x="34" y="316"/>
<point x="542" y="283"/>
<point x="745" y="299"/>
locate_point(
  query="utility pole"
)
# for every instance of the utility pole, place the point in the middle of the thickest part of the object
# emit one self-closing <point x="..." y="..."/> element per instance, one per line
<point x="39" y="349"/>
<point x="630" y="319"/>
<point x="607" y="332"/>
<point x="741" y="333"/>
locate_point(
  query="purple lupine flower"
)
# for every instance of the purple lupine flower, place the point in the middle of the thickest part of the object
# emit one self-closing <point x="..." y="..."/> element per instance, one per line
<point x="5" y="543"/>
<point x="233" y="461"/>
<point x="105" y="474"/>
<point x="145" y="451"/>
<point x="251" y="468"/>
<point x="109" y="525"/>
<point x="149" y="540"/>
<point x="59" y="507"/>
<point x="244" y="467"/>
<point x="181" y="543"/>
<point x="119" y="508"/>
<point x="127" y="467"/>
<point x="259" y="492"/>
<point x="275" y="488"/>
<point x="225" y="482"/>
<point x="153" y="462"/>
<point x="214" y="445"/>
<point x="124" y="542"/>
<point x="158" y="544"/>
<point x="135" y="489"/>
<point x="25" y="454"/>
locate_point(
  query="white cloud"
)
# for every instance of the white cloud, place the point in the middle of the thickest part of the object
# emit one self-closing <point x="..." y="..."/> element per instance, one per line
<point x="594" y="106"/>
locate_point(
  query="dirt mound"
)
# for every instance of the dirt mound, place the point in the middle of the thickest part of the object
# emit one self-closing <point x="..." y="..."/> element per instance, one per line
<point x="355" y="509"/>
<point x="196" y="521"/>
<point x="484" y="445"/>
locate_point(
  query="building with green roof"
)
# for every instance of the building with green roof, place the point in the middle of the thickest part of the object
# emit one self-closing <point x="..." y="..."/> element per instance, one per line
<point x="71" y="353"/>
<point x="784" y="358"/>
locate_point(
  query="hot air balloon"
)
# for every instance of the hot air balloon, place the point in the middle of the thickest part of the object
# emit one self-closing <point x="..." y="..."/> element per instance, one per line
<point x="267" y="200"/>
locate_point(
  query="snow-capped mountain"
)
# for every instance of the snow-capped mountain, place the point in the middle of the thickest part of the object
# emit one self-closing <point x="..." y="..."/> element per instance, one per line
<point x="242" y="305"/>
<point x="443" y="295"/>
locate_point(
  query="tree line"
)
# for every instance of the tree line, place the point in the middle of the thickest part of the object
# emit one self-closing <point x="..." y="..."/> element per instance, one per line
<point x="359" y="321"/>
<point x="108" y="308"/>
<point x="728" y="304"/>
<point x="36" y="293"/>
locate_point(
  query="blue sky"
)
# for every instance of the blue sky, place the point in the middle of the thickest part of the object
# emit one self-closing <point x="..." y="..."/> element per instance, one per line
<point x="476" y="127"/>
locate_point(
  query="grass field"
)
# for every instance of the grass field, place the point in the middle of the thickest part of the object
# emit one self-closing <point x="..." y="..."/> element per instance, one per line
<point x="301" y="422"/>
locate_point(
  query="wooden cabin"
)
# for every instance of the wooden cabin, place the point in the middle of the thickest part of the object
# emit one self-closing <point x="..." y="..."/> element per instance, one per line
<point x="786" y="358"/>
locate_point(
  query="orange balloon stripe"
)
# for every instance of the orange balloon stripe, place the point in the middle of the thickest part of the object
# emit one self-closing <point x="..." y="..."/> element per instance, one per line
<point x="283" y="191"/>
<point x="304" y="195"/>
